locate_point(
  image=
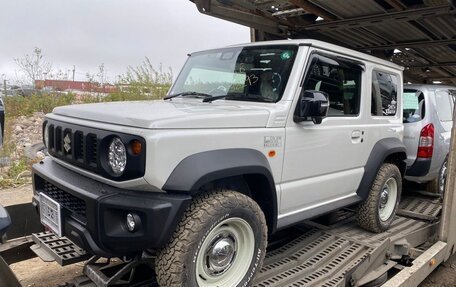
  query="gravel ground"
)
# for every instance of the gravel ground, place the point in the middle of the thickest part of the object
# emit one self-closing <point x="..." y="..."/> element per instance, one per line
<point x="36" y="273"/>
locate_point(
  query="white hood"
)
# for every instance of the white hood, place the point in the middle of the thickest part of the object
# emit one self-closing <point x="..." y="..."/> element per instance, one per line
<point x="172" y="114"/>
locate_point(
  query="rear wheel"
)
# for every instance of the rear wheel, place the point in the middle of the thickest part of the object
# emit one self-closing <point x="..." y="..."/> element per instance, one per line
<point x="221" y="241"/>
<point x="439" y="183"/>
<point x="377" y="212"/>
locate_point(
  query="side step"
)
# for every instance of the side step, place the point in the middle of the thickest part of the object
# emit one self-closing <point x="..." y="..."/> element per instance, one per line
<point x="49" y="247"/>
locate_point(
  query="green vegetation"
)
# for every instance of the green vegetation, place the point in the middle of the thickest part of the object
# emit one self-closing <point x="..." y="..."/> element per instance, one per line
<point x="138" y="83"/>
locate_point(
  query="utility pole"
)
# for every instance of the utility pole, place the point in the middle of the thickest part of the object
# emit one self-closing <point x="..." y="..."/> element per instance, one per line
<point x="74" y="70"/>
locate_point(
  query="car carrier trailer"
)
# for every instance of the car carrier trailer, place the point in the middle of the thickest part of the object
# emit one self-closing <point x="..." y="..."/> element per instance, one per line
<point x="327" y="251"/>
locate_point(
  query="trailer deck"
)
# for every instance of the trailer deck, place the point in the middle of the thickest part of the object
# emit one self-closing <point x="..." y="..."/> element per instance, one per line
<point x="328" y="251"/>
<point x="332" y="255"/>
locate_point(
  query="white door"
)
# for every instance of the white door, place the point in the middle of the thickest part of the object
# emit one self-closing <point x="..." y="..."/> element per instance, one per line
<point x="324" y="163"/>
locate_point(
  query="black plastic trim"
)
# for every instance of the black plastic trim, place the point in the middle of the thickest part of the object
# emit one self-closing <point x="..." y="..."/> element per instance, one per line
<point x="196" y="170"/>
<point x="420" y="167"/>
<point x="381" y="150"/>
<point x="105" y="233"/>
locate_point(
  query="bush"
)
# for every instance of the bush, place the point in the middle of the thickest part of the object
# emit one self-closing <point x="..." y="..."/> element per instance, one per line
<point x="25" y="106"/>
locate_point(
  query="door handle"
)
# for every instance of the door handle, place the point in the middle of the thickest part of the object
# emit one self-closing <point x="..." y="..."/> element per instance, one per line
<point x="356" y="134"/>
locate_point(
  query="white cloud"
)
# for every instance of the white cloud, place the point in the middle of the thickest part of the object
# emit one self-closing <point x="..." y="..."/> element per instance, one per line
<point x="117" y="33"/>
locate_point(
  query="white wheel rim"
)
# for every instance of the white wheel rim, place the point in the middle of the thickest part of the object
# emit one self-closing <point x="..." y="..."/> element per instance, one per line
<point x="442" y="178"/>
<point x="225" y="254"/>
<point x="388" y="199"/>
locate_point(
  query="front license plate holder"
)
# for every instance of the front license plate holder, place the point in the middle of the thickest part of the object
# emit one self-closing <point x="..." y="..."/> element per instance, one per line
<point x="51" y="214"/>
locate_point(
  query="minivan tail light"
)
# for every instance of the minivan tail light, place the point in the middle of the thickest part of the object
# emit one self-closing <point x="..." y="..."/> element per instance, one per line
<point x="426" y="144"/>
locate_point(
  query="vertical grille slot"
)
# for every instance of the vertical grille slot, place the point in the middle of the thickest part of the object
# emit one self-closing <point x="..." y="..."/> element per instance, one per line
<point x="51" y="142"/>
<point x="58" y="139"/>
<point x="78" y="146"/>
<point x="92" y="149"/>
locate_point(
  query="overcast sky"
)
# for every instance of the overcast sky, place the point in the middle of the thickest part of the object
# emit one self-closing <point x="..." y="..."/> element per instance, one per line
<point x="118" y="33"/>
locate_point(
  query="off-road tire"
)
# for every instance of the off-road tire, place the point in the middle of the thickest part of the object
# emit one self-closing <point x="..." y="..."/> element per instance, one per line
<point x="176" y="262"/>
<point x="434" y="185"/>
<point x="368" y="215"/>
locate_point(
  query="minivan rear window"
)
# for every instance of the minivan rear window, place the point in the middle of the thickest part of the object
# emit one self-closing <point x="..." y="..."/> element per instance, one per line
<point x="444" y="105"/>
<point x="413" y="106"/>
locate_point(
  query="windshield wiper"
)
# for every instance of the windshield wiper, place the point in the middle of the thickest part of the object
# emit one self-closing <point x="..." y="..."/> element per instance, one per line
<point x="185" y="94"/>
<point x="213" y="98"/>
<point x="252" y="98"/>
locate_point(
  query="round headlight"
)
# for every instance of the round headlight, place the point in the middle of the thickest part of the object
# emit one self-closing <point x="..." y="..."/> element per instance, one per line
<point x="117" y="156"/>
<point x="46" y="136"/>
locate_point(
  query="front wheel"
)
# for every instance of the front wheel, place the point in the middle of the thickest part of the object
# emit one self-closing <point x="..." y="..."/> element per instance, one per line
<point x="377" y="212"/>
<point x="221" y="241"/>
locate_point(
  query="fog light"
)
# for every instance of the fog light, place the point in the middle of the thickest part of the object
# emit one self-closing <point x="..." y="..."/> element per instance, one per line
<point x="132" y="222"/>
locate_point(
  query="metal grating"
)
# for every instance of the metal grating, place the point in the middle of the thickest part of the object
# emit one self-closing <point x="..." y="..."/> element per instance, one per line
<point x="327" y="255"/>
<point x="75" y="205"/>
<point x="61" y="250"/>
<point x="311" y="259"/>
<point x="422" y="208"/>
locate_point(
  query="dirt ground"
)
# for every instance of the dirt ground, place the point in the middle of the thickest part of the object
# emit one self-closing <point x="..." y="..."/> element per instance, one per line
<point x="36" y="273"/>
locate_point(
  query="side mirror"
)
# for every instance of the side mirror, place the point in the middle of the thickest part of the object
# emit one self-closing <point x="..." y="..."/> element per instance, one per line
<point x="312" y="105"/>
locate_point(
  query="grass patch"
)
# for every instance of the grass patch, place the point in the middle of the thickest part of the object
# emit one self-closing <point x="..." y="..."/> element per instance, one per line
<point x="16" y="106"/>
<point x="25" y="106"/>
<point x="15" y="174"/>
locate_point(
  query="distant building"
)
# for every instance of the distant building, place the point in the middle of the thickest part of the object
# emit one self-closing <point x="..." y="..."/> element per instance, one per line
<point x="62" y="85"/>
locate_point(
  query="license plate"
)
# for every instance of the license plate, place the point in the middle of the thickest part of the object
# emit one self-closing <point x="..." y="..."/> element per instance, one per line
<point x="50" y="214"/>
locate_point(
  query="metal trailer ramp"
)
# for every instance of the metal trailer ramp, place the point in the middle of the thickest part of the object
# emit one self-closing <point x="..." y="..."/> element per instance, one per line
<point x="338" y="253"/>
<point x="342" y="253"/>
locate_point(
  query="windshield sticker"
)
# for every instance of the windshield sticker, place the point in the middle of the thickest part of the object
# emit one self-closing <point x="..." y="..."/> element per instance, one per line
<point x="411" y="101"/>
<point x="241" y="68"/>
<point x="252" y="79"/>
<point x="272" y="141"/>
<point x="286" y="55"/>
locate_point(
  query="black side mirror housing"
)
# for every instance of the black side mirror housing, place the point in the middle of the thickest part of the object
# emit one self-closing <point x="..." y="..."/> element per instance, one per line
<point x="312" y="105"/>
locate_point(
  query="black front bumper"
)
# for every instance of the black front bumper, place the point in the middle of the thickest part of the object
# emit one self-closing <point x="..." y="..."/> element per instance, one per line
<point x="94" y="214"/>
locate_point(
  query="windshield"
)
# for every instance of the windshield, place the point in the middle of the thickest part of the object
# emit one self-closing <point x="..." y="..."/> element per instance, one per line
<point x="246" y="73"/>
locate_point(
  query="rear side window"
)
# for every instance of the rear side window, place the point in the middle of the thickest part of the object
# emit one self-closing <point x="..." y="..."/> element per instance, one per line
<point x="340" y="79"/>
<point x="384" y="94"/>
<point x="444" y="105"/>
<point x="413" y="106"/>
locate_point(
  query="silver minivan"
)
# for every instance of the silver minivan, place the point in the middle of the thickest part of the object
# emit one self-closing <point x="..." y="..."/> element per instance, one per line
<point x="428" y="118"/>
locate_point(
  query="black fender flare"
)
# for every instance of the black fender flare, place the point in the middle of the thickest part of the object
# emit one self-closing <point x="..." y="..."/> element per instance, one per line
<point x="380" y="152"/>
<point x="196" y="170"/>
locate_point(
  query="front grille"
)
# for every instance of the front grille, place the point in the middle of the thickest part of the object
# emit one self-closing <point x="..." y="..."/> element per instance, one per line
<point x="74" y="146"/>
<point x="68" y="201"/>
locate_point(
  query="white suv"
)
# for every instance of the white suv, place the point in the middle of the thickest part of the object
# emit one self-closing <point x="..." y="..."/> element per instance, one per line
<point x="251" y="139"/>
